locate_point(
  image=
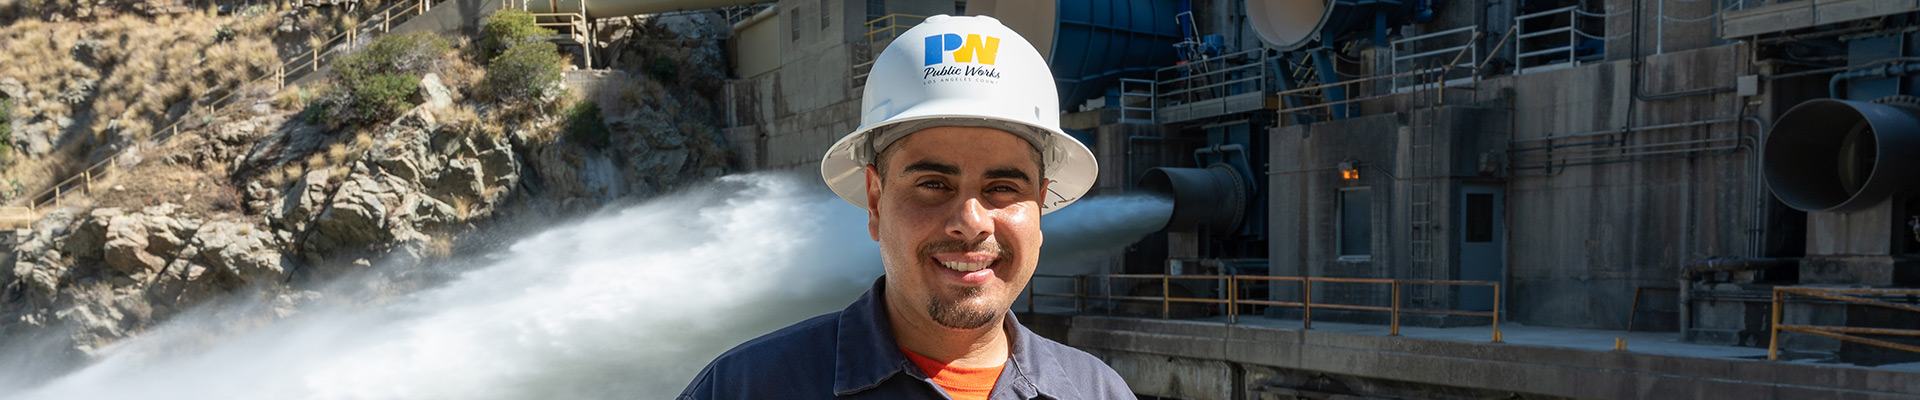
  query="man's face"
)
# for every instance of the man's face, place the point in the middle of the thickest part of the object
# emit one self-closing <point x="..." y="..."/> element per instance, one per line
<point x="957" y="215"/>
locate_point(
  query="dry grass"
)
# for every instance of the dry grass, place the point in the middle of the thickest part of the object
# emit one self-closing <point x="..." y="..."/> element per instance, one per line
<point x="439" y="248"/>
<point x="462" y="208"/>
<point x="292" y="98"/>
<point x="337" y="152"/>
<point x="139" y="70"/>
<point x="154" y="183"/>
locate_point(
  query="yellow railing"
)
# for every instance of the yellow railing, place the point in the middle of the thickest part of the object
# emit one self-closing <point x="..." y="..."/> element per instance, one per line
<point x="1841" y="332"/>
<point x="891" y="25"/>
<point x="309" y="62"/>
<point x="1233" y="301"/>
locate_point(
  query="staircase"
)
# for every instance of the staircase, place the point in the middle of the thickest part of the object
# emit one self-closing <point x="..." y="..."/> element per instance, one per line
<point x="1304" y="75"/>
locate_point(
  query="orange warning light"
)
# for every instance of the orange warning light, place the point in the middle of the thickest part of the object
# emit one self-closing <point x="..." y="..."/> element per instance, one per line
<point x="1349" y="171"/>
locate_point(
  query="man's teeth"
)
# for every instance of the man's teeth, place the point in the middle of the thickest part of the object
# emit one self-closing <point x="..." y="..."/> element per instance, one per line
<point x="965" y="267"/>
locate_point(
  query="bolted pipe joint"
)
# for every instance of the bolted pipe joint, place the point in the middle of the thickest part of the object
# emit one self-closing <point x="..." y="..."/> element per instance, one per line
<point x="1841" y="155"/>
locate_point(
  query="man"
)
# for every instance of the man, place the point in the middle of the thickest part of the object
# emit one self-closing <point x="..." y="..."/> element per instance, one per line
<point x="958" y="154"/>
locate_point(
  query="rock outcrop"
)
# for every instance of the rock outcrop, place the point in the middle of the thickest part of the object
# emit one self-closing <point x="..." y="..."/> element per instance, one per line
<point x="309" y="209"/>
<point x="103" y="275"/>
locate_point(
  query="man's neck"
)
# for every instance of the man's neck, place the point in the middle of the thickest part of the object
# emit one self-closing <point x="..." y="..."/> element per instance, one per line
<point x="983" y="347"/>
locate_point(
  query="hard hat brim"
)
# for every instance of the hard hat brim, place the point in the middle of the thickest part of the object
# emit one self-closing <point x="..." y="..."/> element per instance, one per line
<point x="1070" y="166"/>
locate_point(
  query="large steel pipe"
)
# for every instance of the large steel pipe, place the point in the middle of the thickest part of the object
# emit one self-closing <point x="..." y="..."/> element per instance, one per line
<point x="1091" y="44"/>
<point x="1839" y="155"/>
<point x="1213" y="199"/>
<point x="1289" y="24"/>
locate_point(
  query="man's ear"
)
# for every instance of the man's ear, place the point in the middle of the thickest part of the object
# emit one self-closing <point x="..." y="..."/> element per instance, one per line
<point x="873" y="202"/>
<point x="1043" y="192"/>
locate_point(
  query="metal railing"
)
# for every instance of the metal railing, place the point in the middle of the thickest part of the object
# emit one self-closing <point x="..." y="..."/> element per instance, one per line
<point x="306" y="62"/>
<point x="1539" y="57"/>
<point x="886" y="27"/>
<point x="1205" y="86"/>
<point x="1231" y="299"/>
<point x="889" y="26"/>
<point x="573" y="22"/>
<point x="1136" y="108"/>
<point x="81" y="182"/>
<point x="1434" y="78"/>
<point x="1405" y="55"/>
<point x="1846" y="333"/>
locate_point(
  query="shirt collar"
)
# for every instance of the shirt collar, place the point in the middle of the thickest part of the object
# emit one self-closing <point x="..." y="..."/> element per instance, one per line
<point x="1032" y="363"/>
<point x="867" y="355"/>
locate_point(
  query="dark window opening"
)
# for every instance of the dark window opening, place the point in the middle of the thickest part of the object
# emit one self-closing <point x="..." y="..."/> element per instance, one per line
<point x="1479" y="218"/>
<point x="1356" y="222"/>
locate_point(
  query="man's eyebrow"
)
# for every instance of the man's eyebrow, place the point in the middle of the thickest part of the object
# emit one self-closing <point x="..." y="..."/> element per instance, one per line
<point x="1009" y="173"/>
<point x="930" y="166"/>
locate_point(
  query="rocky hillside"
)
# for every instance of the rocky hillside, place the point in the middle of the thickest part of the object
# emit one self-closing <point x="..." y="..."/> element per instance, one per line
<point x="274" y="203"/>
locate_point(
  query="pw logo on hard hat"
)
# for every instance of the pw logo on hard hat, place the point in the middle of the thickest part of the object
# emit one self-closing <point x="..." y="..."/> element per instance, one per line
<point x="973" y="47"/>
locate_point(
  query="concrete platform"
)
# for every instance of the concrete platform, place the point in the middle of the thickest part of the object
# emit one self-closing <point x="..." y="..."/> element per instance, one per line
<point x="1532" y="362"/>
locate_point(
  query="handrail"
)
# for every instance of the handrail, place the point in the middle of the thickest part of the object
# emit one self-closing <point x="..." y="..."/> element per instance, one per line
<point x="1471" y="45"/>
<point x="1429" y="76"/>
<point x="1130" y="101"/>
<point x="1233" y="301"/>
<point x="1571" y="32"/>
<point x="216" y="107"/>
<point x="1841" y="332"/>
<point x="570" y="20"/>
<point x="890" y="24"/>
<point x="1213" y="78"/>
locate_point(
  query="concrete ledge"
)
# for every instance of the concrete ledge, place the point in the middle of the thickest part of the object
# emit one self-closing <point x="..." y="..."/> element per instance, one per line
<point x="1767" y="19"/>
<point x="1530" y="369"/>
<point x="1792" y="15"/>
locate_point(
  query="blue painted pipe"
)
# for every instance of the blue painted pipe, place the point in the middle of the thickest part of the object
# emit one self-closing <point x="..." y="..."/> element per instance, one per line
<point x="1097" y="42"/>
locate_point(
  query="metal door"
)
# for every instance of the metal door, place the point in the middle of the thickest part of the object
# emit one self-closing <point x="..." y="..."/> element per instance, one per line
<point x="1482" y="238"/>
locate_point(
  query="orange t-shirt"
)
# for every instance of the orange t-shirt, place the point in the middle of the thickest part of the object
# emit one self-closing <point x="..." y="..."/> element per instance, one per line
<point x="961" y="383"/>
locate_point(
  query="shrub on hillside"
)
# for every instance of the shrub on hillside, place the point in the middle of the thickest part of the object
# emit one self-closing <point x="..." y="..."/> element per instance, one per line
<point x="6" y="127"/>
<point x="525" y="76"/>
<point x="664" y="69"/>
<point x="367" y="100"/>
<point x="585" y="126"/>
<point x="414" y="53"/>
<point x="506" y="29"/>
<point x="373" y="85"/>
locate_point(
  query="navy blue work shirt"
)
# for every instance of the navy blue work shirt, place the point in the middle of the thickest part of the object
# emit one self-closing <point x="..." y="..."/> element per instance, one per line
<point x="851" y="354"/>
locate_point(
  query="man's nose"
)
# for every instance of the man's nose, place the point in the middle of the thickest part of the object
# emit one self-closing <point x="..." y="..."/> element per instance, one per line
<point x="971" y="221"/>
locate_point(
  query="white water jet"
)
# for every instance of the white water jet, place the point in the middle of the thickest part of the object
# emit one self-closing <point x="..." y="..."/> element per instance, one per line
<point x="629" y="304"/>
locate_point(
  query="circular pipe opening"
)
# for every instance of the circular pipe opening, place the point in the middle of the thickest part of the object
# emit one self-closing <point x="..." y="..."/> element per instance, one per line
<point x="1213" y="199"/>
<point x="1838" y="155"/>
<point x="1287" y="24"/>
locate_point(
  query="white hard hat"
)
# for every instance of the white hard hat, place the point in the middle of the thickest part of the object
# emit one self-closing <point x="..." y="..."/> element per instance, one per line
<point x="961" y="71"/>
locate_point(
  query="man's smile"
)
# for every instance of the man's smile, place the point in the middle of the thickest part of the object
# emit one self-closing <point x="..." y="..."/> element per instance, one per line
<point x="967" y="269"/>
<point x="966" y="262"/>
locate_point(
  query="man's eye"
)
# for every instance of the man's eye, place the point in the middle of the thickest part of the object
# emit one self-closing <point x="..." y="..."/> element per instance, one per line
<point x="933" y="185"/>
<point x="1004" y="189"/>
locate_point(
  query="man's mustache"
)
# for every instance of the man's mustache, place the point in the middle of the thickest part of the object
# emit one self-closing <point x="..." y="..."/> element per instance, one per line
<point x="988" y="245"/>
